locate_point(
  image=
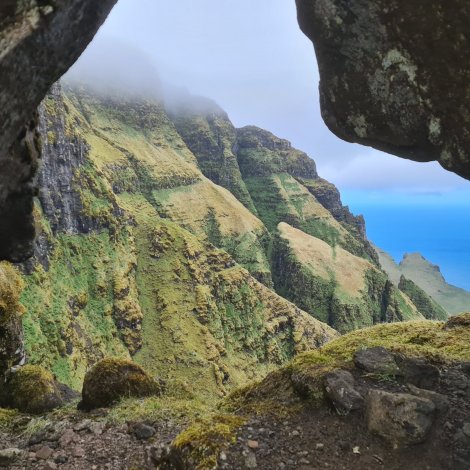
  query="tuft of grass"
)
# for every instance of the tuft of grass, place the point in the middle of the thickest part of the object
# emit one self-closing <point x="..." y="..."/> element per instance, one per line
<point x="205" y="439"/>
<point x="8" y="418"/>
<point x="157" y="409"/>
<point x="36" y="425"/>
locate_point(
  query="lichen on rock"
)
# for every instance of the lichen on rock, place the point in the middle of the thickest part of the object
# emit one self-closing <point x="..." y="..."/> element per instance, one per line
<point x="390" y="72"/>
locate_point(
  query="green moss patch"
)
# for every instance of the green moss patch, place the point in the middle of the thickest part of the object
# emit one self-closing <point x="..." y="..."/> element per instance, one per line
<point x="112" y="379"/>
<point x="202" y="443"/>
<point x="31" y="389"/>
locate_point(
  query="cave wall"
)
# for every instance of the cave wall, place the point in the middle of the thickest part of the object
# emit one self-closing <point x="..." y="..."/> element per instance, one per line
<point x="394" y="75"/>
<point x="39" y="41"/>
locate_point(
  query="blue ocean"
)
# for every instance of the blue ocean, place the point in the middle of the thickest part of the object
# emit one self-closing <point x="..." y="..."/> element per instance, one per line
<point x="437" y="226"/>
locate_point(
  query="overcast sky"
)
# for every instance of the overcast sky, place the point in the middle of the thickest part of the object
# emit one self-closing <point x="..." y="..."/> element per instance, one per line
<point x="252" y="59"/>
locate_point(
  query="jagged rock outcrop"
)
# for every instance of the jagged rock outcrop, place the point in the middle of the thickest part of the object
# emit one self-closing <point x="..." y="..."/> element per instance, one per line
<point x="394" y="75"/>
<point x="328" y="196"/>
<point x="211" y="137"/>
<point x="40" y="40"/>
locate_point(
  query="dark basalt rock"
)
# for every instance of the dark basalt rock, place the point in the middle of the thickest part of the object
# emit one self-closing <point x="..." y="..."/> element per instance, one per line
<point x="399" y="418"/>
<point x="339" y="388"/>
<point x="458" y="321"/>
<point x="40" y="41"/>
<point x="377" y="360"/>
<point x="394" y="75"/>
<point x="440" y="401"/>
<point x="417" y="371"/>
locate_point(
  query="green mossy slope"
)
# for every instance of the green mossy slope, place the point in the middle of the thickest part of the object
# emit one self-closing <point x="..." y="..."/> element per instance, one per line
<point x="208" y="325"/>
<point x="124" y="266"/>
<point x="211" y="137"/>
<point x="280" y="181"/>
<point x="424" y="303"/>
<point x="338" y="288"/>
<point x="139" y="150"/>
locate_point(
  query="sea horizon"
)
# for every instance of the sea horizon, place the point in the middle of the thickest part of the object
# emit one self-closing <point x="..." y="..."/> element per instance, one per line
<point x="434" y="224"/>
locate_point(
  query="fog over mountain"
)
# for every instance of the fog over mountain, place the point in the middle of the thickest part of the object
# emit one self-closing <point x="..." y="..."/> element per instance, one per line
<point x="252" y="59"/>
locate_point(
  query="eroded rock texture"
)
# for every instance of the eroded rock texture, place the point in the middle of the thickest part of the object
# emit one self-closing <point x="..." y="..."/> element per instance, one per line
<point x="39" y="41"/>
<point x="395" y="74"/>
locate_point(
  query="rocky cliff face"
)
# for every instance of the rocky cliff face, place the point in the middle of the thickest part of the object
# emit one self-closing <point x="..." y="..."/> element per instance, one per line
<point x="40" y="40"/>
<point x="394" y="75"/>
<point x="63" y="178"/>
<point x="211" y="137"/>
<point x="117" y="270"/>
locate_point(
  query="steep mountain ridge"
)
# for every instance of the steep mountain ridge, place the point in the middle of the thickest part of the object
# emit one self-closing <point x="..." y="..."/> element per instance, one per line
<point x="428" y="277"/>
<point x="140" y="255"/>
<point x="114" y="274"/>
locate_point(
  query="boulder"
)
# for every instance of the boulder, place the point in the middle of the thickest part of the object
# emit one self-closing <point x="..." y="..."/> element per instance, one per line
<point x="339" y="388"/>
<point x="440" y="401"/>
<point x="458" y="321"/>
<point x="9" y="456"/>
<point x="143" y="431"/>
<point x="399" y="418"/>
<point x="112" y="379"/>
<point x="31" y="389"/>
<point x="376" y="360"/>
<point x="394" y="75"/>
<point x="418" y="371"/>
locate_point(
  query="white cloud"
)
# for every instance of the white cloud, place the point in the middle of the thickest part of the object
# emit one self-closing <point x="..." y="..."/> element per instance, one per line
<point x="374" y="170"/>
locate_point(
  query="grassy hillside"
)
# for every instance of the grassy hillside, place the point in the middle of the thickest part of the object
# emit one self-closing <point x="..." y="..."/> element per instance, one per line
<point x="281" y="182"/>
<point x="124" y="262"/>
<point x="211" y="137"/>
<point x="140" y="255"/>
<point x="424" y="303"/>
<point x="335" y="286"/>
<point x="137" y="147"/>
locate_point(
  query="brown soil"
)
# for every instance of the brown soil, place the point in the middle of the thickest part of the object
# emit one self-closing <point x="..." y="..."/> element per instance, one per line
<point x="312" y="438"/>
<point x="98" y="446"/>
<point x="317" y="438"/>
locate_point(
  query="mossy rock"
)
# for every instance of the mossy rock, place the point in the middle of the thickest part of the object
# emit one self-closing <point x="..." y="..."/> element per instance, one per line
<point x="112" y="379"/>
<point x="32" y="389"/>
<point x="459" y="321"/>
